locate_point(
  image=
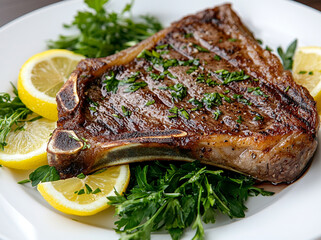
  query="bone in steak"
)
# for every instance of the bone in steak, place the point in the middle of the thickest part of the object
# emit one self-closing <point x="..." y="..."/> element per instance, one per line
<point x="203" y="89"/>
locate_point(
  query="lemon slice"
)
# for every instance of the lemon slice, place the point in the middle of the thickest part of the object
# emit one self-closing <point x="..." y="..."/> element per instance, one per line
<point x="26" y="149"/>
<point x="41" y="77"/>
<point x="87" y="196"/>
<point x="307" y="71"/>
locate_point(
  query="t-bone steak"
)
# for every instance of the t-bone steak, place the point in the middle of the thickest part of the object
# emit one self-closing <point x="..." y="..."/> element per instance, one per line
<point x="202" y="89"/>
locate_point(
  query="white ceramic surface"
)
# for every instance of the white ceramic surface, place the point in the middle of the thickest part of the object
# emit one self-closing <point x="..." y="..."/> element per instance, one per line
<point x="291" y="214"/>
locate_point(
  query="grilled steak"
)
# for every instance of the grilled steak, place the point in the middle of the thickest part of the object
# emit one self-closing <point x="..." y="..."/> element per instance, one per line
<point x="201" y="89"/>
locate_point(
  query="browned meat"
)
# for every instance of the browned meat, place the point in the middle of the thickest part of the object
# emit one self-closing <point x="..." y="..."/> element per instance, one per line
<point x="201" y="89"/>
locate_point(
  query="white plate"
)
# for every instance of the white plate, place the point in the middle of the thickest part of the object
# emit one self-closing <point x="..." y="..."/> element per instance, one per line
<point x="292" y="214"/>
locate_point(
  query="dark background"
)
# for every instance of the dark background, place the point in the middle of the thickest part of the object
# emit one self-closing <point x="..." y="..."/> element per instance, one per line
<point x="11" y="9"/>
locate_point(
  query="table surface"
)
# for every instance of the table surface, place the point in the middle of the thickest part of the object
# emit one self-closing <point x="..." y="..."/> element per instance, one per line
<point x="11" y="9"/>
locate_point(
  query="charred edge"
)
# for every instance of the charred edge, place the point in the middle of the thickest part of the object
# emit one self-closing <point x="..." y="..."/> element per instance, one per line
<point x="290" y="101"/>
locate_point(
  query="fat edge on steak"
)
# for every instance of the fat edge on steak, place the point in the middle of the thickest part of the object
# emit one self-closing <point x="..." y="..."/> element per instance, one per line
<point x="264" y="125"/>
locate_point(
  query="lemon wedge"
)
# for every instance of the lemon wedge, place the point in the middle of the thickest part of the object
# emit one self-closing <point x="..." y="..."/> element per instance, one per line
<point x="307" y="71"/>
<point x="85" y="196"/>
<point x="26" y="149"/>
<point x="41" y="77"/>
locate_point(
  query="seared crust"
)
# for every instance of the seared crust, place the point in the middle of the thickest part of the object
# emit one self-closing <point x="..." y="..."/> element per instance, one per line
<point x="275" y="148"/>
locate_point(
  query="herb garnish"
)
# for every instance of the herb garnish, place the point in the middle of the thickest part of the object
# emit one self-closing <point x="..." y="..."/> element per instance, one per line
<point x="217" y="114"/>
<point x="239" y="119"/>
<point x="133" y="87"/>
<point x="87" y="190"/>
<point x="232" y="39"/>
<point x="83" y="140"/>
<point x="81" y="176"/>
<point x="197" y="103"/>
<point x="287" y="57"/>
<point x="188" y="35"/>
<point x="12" y="111"/>
<point x="102" y="33"/>
<point x="111" y="82"/>
<point x="200" y="49"/>
<point x="126" y="112"/>
<point x="42" y="174"/>
<point x="217" y="58"/>
<point x="150" y="102"/>
<point x="228" y="77"/>
<point x="176" y="196"/>
<point x="257" y="91"/>
<point x="241" y="99"/>
<point x="258" y="117"/>
<point x="178" y="91"/>
<point x="212" y="99"/>
<point x="178" y="111"/>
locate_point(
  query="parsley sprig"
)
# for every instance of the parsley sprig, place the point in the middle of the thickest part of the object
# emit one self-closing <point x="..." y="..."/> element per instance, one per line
<point x="12" y="111"/>
<point x="174" y="197"/>
<point x="287" y="56"/>
<point x="102" y="33"/>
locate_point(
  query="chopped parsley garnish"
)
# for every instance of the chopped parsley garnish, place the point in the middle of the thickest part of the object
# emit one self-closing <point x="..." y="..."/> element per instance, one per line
<point x="232" y="39"/>
<point x="81" y="176"/>
<point x="241" y="99"/>
<point x="188" y="35"/>
<point x="133" y="87"/>
<point x="80" y="192"/>
<point x="93" y="105"/>
<point x="228" y="77"/>
<point x="157" y="77"/>
<point x="84" y="141"/>
<point x="97" y="190"/>
<point x="212" y="99"/>
<point x="191" y="69"/>
<point x="257" y="91"/>
<point x="287" y="89"/>
<point x="239" y="119"/>
<point x="178" y="112"/>
<point x="258" y="117"/>
<point x="116" y="115"/>
<point x="217" y="58"/>
<point x="130" y="79"/>
<point x="196" y="103"/>
<point x="150" y="102"/>
<point x="217" y="114"/>
<point x="303" y="72"/>
<point x="287" y="56"/>
<point x="126" y="112"/>
<point x="111" y="83"/>
<point x="101" y="33"/>
<point x="87" y="190"/>
<point x="310" y="73"/>
<point x="177" y="196"/>
<point x="178" y="91"/>
<point x="200" y="49"/>
<point x="23" y="181"/>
